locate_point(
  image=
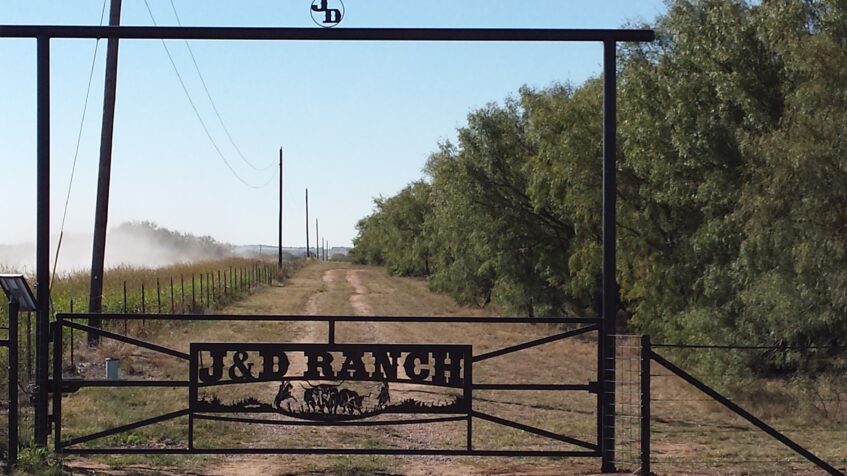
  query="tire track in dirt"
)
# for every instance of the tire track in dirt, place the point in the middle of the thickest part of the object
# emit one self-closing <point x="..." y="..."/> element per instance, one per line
<point x="330" y="281"/>
<point x="358" y="299"/>
<point x="417" y="437"/>
<point x="305" y="332"/>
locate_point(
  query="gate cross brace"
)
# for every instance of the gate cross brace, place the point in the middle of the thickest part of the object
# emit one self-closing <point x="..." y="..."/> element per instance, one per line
<point x="128" y="340"/>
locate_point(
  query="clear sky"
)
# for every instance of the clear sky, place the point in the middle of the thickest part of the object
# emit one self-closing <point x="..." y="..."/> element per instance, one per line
<point x="356" y="120"/>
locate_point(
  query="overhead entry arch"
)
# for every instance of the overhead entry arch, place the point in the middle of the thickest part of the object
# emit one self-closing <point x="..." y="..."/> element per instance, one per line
<point x="608" y="37"/>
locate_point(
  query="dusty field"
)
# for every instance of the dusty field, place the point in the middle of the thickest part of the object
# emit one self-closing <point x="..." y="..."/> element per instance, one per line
<point x="682" y="445"/>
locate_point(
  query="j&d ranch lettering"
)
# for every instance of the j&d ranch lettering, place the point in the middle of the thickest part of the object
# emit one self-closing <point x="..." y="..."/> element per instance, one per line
<point x="437" y="365"/>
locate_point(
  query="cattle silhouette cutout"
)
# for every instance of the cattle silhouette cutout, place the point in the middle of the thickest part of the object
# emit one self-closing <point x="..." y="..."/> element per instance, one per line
<point x="333" y="382"/>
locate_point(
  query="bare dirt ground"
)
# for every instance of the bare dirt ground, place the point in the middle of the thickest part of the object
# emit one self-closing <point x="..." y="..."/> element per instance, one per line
<point x="344" y="289"/>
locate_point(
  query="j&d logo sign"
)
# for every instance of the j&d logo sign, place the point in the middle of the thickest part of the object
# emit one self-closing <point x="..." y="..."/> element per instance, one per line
<point x="327" y="13"/>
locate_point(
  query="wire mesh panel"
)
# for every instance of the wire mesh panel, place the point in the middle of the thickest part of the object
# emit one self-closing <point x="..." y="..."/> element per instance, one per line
<point x="628" y="402"/>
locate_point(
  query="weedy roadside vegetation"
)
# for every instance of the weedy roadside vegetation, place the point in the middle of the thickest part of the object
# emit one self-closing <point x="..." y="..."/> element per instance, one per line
<point x="199" y="287"/>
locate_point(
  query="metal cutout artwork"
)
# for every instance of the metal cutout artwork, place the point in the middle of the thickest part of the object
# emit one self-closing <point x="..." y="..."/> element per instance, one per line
<point x="328" y="382"/>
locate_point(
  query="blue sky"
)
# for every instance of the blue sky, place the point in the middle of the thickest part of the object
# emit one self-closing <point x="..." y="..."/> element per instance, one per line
<point x="356" y="120"/>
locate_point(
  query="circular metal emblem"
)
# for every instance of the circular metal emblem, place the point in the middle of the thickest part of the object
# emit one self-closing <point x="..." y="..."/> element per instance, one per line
<point x="327" y="13"/>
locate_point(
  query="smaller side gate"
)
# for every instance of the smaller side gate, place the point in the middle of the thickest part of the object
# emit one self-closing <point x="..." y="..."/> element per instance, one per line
<point x="20" y="298"/>
<point x="10" y="343"/>
<point x="649" y="357"/>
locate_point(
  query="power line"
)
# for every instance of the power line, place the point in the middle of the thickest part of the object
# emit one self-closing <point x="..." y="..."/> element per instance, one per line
<point x="197" y="112"/>
<point x="78" y="141"/>
<point x="212" y="101"/>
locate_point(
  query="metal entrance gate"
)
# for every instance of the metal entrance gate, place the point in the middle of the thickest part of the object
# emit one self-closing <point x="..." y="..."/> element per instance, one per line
<point x="330" y="403"/>
<point x="43" y="34"/>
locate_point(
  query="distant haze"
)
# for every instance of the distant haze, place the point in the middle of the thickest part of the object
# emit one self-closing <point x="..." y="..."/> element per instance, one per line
<point x="141" y="244"/>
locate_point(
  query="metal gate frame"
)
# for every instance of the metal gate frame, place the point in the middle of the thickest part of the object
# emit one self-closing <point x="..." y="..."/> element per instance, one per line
<point x="59" y="385"/>
<point x="608" y="37"/>
<point x="648" y="355"/>
<point x="12" y="351"/>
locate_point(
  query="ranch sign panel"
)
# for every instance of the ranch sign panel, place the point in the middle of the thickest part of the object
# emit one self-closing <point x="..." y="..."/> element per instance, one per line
<point x="349" y="386"/>
<point x="330" y="382"/>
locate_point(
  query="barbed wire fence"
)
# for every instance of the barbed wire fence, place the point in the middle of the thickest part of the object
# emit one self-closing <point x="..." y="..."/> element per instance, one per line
<point x="213" y="289"/>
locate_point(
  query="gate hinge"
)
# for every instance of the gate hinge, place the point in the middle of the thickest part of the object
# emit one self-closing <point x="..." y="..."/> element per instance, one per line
<point x="593" y="387"/>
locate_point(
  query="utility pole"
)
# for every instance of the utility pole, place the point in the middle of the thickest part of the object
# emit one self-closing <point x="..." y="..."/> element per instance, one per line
<point x="279" y="260"/>
<point x="101" y="214"/>
<point x="307" y="224"/>
<point x="317" y="240"/>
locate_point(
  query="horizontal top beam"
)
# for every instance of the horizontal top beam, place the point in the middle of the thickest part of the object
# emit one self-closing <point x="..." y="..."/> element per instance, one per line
<point x="309" y="318"/>
<point x="326" y="34"/>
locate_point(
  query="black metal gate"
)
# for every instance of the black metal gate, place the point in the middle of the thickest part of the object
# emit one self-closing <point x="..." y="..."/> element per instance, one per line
<point x="209" y="365"/>
<point x="605" y="327"/>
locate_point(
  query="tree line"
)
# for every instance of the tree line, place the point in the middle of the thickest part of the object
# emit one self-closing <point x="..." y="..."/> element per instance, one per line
<point x="732" y="187"/>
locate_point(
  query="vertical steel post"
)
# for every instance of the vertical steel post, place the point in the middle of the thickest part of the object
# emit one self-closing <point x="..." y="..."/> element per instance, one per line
<point x="307" y="224"/>
<point x="467" y="393"/>
<point x="42" y="254"/>
<point x="143" y="304"/>
<point x="279" y="246"/>
<point x="126" y="323"/>
<point x="12" y="454"/>
<point x="29" y="348"/>
<point x="73" y="344"/>
<point x="57" y="384"/>
<point x="192" y="396"/>
<point x="645" y="405"/>
<point x="610" y="291"/>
